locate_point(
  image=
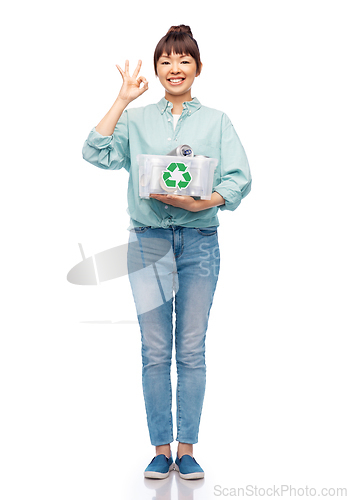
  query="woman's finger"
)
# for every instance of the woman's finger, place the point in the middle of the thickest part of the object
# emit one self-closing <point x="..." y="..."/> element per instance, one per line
<point x="145" y="87"/>
<point x="120" y="70"/>
<point x="137" y="69"/>
<point x="127" y="68"/>
<point x="145" y="82"/>
<point x="141" y="79"/>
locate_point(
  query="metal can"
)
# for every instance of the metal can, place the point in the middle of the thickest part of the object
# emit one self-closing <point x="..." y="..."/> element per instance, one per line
<point x="183" y="150"/>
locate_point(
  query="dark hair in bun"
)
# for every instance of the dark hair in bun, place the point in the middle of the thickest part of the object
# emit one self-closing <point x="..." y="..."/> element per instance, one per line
<point x="180" y="29"/>
<point x="178" y="40"/>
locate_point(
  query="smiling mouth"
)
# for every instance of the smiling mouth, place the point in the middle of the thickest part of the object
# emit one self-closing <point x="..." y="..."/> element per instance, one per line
<point x="175" y="81"/>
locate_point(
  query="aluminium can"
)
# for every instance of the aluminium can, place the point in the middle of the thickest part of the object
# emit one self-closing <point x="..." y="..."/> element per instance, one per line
<point x="183" y="150"/>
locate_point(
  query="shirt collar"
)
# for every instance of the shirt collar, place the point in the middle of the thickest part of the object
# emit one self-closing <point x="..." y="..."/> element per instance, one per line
<point x="192" y="106"/>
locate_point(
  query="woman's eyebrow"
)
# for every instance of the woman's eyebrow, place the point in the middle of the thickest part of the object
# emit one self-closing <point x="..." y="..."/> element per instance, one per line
<point x="168" y="57"/>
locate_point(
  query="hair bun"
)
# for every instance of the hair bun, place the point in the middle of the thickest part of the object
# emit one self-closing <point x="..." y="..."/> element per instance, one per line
<point x="182" y="28"/>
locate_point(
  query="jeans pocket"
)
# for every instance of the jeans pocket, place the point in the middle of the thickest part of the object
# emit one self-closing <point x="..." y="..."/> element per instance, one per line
<point x="206" y="231"/>
<point x="139" y="229"/>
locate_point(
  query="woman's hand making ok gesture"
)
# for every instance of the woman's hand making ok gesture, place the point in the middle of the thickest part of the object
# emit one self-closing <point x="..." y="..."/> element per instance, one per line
<point x="131" y="88"/>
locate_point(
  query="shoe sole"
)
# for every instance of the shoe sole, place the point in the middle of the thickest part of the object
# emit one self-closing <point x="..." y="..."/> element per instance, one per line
<point x="193" y="475"/>
<point x="158" y="475"/>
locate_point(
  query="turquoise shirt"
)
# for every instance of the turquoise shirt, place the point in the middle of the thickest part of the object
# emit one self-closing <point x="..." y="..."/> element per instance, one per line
<point x="150" y="130"/>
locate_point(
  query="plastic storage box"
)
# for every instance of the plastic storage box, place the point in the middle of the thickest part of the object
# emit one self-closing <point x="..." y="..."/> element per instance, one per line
<point x="182" y="175"/>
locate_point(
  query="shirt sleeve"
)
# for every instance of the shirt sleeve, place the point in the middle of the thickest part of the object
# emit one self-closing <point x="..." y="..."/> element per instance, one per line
<point x="110" y="151"/>
<point x="236" y="179"/>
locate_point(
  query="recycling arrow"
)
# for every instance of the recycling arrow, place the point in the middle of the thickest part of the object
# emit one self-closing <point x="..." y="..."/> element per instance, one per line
<point x="176" y="175"/>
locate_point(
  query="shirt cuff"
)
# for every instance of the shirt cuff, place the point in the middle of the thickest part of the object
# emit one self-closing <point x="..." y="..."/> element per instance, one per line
<point x="232" y="198"/>
<point x="99" y="141"/>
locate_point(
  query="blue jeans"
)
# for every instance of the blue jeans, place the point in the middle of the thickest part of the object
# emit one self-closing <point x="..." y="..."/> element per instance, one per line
<point x="177" y="265"/>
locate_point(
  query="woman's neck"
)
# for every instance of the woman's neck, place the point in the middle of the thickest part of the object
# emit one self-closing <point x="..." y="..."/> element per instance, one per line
<point x="177" y="101"/>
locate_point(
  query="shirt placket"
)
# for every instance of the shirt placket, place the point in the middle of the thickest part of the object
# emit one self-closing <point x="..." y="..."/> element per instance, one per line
<point x="173" y="135"/>
<point x="170" y="128"/>
<point x="173" y="138"/>
<point x="167" y="217"/>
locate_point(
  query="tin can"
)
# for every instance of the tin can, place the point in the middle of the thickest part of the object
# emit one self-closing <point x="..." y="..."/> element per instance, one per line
<point x="183" y="150"/>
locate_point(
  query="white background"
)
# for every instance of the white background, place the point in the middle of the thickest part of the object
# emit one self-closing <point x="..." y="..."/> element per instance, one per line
<point x="73" y="420"/>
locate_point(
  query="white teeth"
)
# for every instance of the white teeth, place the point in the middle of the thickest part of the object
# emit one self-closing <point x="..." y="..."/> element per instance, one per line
<point x="176" y="80"/>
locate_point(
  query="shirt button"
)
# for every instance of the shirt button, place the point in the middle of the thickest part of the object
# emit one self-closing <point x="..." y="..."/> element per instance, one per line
<point x="169" y="139"/>
<point x="165" y="206"/>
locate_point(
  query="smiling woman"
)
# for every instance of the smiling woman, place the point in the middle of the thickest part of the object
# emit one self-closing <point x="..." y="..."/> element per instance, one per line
<point x="177" y="74"/>
<point x="188" y="224"/>
<point x="177" y="63"/>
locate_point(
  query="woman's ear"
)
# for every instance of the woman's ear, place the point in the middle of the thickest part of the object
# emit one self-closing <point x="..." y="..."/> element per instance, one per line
<point x="200" y="70"/>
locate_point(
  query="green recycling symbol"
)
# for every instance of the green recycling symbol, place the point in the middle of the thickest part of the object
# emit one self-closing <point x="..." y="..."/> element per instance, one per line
<point x="176" y="175"/>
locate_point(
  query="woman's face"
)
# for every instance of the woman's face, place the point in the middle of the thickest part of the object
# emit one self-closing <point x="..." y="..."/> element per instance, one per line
<point x="177" y="72"/>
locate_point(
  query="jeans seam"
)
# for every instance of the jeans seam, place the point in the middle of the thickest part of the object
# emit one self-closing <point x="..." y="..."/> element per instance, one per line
<point x="140" y="230"/>
<point x="205" y="234"/>
<point x="170" y="382"/>
<point x="182" y="244"/>
<point x="178" y="386"/>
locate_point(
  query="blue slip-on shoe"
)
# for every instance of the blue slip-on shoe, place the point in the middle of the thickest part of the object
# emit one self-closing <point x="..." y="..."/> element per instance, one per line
<point x="188" y="467"/>
<point x="159" y="467"/>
